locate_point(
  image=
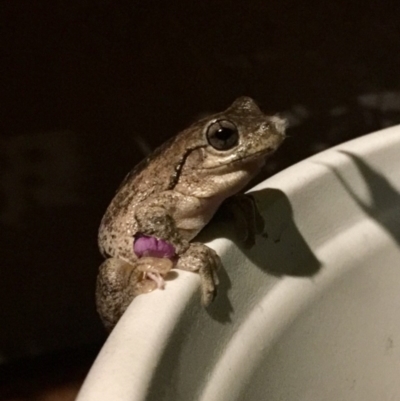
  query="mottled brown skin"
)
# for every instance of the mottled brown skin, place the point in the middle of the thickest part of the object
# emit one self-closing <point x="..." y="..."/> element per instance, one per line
<point x="173" y="194"/>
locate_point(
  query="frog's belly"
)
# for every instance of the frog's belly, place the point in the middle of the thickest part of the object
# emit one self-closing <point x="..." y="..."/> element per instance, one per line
<point x="190" y="221"/>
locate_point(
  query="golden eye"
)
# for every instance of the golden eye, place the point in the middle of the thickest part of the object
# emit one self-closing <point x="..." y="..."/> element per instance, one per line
<point x="222" y="135"/>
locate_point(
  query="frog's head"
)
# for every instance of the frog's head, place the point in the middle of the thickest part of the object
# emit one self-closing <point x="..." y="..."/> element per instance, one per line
<point x="224" y="151"/>
<point x="241" y="133"/>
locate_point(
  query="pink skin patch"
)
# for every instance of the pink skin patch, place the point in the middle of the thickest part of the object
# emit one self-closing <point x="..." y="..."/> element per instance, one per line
<point x="147" y="246"/>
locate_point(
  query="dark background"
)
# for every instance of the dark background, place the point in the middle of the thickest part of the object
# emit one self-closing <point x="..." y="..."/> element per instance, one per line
<point x="88" y="87"/>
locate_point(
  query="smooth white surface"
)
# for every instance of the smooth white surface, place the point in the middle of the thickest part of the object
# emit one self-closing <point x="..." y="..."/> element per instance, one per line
<point x="311" y="312"/>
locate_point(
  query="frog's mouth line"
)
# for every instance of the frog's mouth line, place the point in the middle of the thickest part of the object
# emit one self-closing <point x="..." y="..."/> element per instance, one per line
<point x="251" y="157"/>
<point x="175" y="177"/>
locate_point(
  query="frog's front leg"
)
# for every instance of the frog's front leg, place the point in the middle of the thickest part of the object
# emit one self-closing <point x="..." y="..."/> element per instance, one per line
<point x="204" y="260"/>
<point x="118" y="282"/>
<point x="155" y="219"/>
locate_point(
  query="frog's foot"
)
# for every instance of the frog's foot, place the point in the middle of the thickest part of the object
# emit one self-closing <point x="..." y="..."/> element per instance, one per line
<point x="204" y="260"/>
<point x="155" y="269"/>
<point x="119" y="282"/>
<point x="247" y="218"/>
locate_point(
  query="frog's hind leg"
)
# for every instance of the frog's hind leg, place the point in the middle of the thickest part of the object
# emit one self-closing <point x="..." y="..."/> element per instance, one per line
<point x="118" y="282"/>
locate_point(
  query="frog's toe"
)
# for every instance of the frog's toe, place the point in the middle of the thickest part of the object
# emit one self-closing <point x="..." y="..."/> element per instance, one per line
<point x="208" y="292"/>
<point x="147" y="284"/>
<point x="204" y="260"/>
<point x="209" y="278"/>
<point x="157" y="278"/>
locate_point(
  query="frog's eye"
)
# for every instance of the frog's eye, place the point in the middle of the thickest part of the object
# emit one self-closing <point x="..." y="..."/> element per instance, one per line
<point x="222" y="135"/>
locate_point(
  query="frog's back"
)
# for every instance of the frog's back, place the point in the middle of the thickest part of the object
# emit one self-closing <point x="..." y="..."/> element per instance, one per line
<point x="153" y="175"/>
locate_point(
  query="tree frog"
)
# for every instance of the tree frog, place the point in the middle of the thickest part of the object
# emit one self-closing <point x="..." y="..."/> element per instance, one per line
<point x="166" y="200"/>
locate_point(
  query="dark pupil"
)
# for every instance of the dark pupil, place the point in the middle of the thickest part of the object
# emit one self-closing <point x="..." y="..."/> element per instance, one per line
<point x="223" y="134"/>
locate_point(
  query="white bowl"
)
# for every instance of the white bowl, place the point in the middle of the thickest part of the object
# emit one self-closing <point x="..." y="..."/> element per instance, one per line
<point x="311" y="312"/>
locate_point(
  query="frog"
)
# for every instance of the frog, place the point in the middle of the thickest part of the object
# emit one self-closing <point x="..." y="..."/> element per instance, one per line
<point x="172" y="195"/>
